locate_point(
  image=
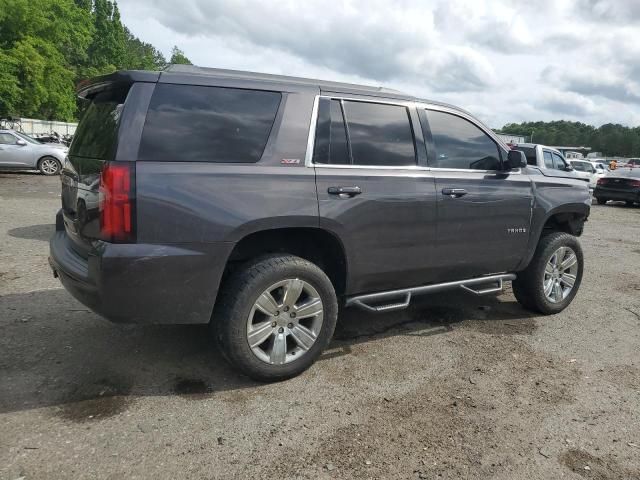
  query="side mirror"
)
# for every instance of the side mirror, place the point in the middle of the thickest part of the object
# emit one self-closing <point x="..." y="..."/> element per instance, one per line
<point x="21" y="142"/>
<point x="515" y="159"/>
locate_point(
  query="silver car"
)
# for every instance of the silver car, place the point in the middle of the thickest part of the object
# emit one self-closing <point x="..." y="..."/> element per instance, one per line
<point x="21" y="152"/>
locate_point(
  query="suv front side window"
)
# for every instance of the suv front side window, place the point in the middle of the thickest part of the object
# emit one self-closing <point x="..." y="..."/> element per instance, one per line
<point x="460" y="144"/>
<point x="548" y="159"/>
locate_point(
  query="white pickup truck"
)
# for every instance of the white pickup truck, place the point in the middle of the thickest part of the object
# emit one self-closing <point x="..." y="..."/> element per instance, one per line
<point x="548" y="159"/>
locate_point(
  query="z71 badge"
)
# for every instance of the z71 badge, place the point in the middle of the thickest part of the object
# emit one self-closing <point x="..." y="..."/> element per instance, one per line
<point x="517" y="230"/>
<point x="290" y="161"/>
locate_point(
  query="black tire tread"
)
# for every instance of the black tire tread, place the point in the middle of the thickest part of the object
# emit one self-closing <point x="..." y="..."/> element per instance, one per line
<point x="527" y="288"/>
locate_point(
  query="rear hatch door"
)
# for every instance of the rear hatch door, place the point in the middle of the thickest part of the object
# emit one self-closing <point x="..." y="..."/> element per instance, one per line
<point x="94" y="143"/>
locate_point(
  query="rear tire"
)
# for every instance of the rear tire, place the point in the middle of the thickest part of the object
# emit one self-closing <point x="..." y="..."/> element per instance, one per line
<point x="255" y="322"/>
<point x="545" y="288"/>
<point x="601" y="201"/>
<point x="49" y="166"/>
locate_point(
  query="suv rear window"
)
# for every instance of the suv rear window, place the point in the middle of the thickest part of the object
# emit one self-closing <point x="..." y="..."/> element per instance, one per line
<point x="187" y="123"/>
<point x="98" y="128"/>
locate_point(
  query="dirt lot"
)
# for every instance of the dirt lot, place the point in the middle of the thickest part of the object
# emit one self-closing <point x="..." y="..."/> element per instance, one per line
<point x="455" y="387"/>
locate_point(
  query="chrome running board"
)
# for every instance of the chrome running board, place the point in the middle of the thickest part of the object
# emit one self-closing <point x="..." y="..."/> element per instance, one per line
<point x="400" y="299"/>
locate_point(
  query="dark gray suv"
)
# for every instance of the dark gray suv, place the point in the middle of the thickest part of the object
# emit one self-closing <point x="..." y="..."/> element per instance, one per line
<point x="260" y="203"/>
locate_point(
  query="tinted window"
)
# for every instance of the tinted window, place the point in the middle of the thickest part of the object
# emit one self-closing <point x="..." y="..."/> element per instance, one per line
<point x="379" y="134"/>
<point x="530" y="153"/>
<point x="207" y="124"/>
<point x="460" y="144"/>
<point x="548" y="159"/>
<point x="98" y="129"/>
<point x="7" y="139"/>
<point x="559" y="162"/>
<point x="331" y="136"/>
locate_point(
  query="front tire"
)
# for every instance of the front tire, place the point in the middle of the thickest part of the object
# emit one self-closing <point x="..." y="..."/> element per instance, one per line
<point x="552" y="279"/>
<point x="49" y="166"/>
<point x="275" y="316"/>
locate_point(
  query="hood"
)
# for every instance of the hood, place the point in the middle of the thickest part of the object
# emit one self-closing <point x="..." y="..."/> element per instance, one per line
<point x="60" y="146"/>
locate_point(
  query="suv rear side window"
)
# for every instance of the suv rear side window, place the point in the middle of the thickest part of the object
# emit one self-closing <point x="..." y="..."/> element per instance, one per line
<point x="331" y="144"/>
<point x="460" y="144"/>
<point x="97" y="131"/>
<point x="548" y="159"/>
<point x="187" y="123"/>
<point x="380" y="134"/>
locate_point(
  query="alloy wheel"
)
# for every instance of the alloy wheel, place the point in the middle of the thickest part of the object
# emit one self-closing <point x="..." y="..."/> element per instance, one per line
<point x="560" y="274"/>
<point x="49" y="166"/>
<point x="285" y="321"/>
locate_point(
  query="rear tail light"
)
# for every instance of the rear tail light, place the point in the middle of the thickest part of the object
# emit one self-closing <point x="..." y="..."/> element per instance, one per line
<point x="601" y="181"/>
<point x="635" y="183"/>
<point x="117" y="202"/>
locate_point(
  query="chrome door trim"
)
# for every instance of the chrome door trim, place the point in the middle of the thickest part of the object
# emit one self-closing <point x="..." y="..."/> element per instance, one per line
<point x="308" y="159"/>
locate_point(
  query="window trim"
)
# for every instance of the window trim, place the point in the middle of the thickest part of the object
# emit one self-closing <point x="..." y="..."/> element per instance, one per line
<point x="308" y="159"/>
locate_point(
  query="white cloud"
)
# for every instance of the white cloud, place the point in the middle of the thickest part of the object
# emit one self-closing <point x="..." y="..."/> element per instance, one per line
<point x="505" y="60"/>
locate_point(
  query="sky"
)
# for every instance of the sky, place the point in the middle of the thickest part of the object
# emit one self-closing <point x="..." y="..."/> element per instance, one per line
<point x="503" y="60"/>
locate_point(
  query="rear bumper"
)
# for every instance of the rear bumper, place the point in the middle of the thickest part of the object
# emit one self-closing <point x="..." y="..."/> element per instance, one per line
<point x="142" y="283"/>
<point x="615" y="194"/>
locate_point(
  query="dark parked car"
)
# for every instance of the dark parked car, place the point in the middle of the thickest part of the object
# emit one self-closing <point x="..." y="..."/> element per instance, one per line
<point x="260" y="203"/>
<point x="622" y="184"/>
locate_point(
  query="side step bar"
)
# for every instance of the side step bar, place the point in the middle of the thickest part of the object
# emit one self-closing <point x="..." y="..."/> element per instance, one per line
<point x="400" y="299"/>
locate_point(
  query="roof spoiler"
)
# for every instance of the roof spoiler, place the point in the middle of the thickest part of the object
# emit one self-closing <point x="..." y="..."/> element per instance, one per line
<point x="89" y="87"/>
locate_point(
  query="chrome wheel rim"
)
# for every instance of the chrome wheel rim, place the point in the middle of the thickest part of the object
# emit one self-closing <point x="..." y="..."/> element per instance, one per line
<point x="49" y="166"/>
<point x="285" y="321"/>
<point x="560" y="274"/>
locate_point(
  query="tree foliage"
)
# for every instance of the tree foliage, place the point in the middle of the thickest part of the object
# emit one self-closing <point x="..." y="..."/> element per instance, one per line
<point x="47" y="46"/>
<point x="610" y="139"/>
<point x="178" y="57"/>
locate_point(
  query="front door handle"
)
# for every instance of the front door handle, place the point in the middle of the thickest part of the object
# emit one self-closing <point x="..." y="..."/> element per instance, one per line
<point x="344" y="192"/>
<point x="454" y="192"/>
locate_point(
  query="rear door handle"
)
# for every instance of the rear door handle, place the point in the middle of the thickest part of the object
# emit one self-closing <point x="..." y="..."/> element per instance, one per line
<point x="454" y="192"/>
<point x="345" y="191"/>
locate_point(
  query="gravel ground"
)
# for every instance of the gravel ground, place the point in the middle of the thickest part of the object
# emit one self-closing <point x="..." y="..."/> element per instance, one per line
<point x="455" y="387"/>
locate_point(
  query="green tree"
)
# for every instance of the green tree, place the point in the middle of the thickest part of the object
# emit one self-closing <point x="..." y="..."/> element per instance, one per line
<point x="41" y="42"/>
<point x="178" y="57"/>
<point x="610" y="139"/>
<point x="140" y="55"/>
<point x="107" y="51"/>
